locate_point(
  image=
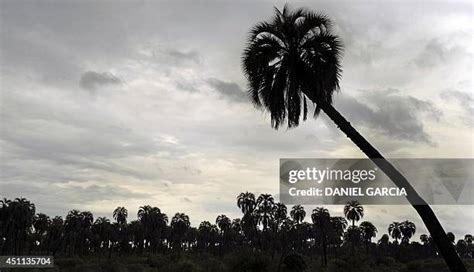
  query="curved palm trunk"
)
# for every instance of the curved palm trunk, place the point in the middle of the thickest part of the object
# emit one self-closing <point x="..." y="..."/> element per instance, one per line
<point x="424" y="210"/>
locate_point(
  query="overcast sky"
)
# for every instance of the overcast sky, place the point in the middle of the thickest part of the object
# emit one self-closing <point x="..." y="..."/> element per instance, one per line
<point x="106" y="104"/>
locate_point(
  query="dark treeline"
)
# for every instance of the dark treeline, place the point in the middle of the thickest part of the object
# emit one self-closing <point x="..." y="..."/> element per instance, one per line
<point x="266" y="226"/>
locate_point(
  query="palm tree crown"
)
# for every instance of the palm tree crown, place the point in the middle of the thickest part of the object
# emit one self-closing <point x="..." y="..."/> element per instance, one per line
<point x="120" y="215"/>
<point x="395" y="231"/>
<point x="353" y="211"/>
<point x="298" y="213"/>
<point x="290" y="59"/>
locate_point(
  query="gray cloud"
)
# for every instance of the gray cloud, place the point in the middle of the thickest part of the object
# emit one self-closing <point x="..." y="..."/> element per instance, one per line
<point x="91" y="80"/>
<point x="433" y="53"/>
<point x="183" y="56"/>
<point x="185" y="85"/>
<point x="166" y="57"/>
<point x="228" y="90"/>
<point x="390" y="113"/>
<point x="465" y="101"/>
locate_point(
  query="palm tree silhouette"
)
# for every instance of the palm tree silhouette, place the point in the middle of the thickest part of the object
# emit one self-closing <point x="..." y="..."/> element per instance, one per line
<point x="179" y="225"/>
<point x="246" y="202"/>
<point x="338" y="226"/>
<point x="41" y="224"/>
<point x="298" y="214"/>
<point x="407" y="229"/>
<point x="120" y="215"/>
<point x="395" y="231"/>
<point x="424" y="239"/>
<point x="154" y="224"/>
<point x="295" y="59"/>
<point x="224" y="224"/>
<point x="265" y="206"/>
<point x="322" y="222"/>
<point x="280" y="213"/>
<point x="369" y="231"/>
<point x="353" y="211"/>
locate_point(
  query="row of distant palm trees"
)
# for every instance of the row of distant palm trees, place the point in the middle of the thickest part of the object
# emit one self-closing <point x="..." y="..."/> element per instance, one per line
<point x="265" y="226"/>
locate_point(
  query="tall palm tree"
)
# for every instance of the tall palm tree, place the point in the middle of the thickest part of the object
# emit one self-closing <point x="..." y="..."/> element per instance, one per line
<point x="293" y="60"/>
<point x="353" y="211"/>
<point x="298" y="214"/>
<point x="369" y="231"/>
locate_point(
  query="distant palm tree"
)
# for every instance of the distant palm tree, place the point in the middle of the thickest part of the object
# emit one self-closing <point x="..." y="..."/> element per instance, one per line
<point x="76" y="226"/>
<point x="103" y="232"/>
<point x="353" y="236"/>
<point x="338" y="226"/>
<point x="395" y="230"/>
<point x="207" y="235"/>
<point x="280" y="213"/>
<point x="21" y="213"/>
<point x="424" y="239"/>
<point x="383" y="243"/>
<point x="322" y="222"/>
<point x="246" y="202"/>
<point x="298" y="214"/>
<point x="154" y="224"/>
<point x="462" y="248"/>
<point x="179" y="226"/>
<point x="224" y="224"/>
<point x="384" y="240"/>
<point x="236" y="225"/>
<point x="120" y="215"/>
<point x="294" y="60"/>
<point x="353" y="211"/>
<point x="265" y="206"/>
<point x="55" y="235"/>
<point x="451" y="237"/>
<point x="41" y="224"/>
<point x="407" y="229"/>
<point x="369" y="231"/>
<point x="468" y="238"/>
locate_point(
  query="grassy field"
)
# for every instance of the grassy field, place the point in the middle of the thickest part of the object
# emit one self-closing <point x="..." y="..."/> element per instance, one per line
<point x="240" y="262"/>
